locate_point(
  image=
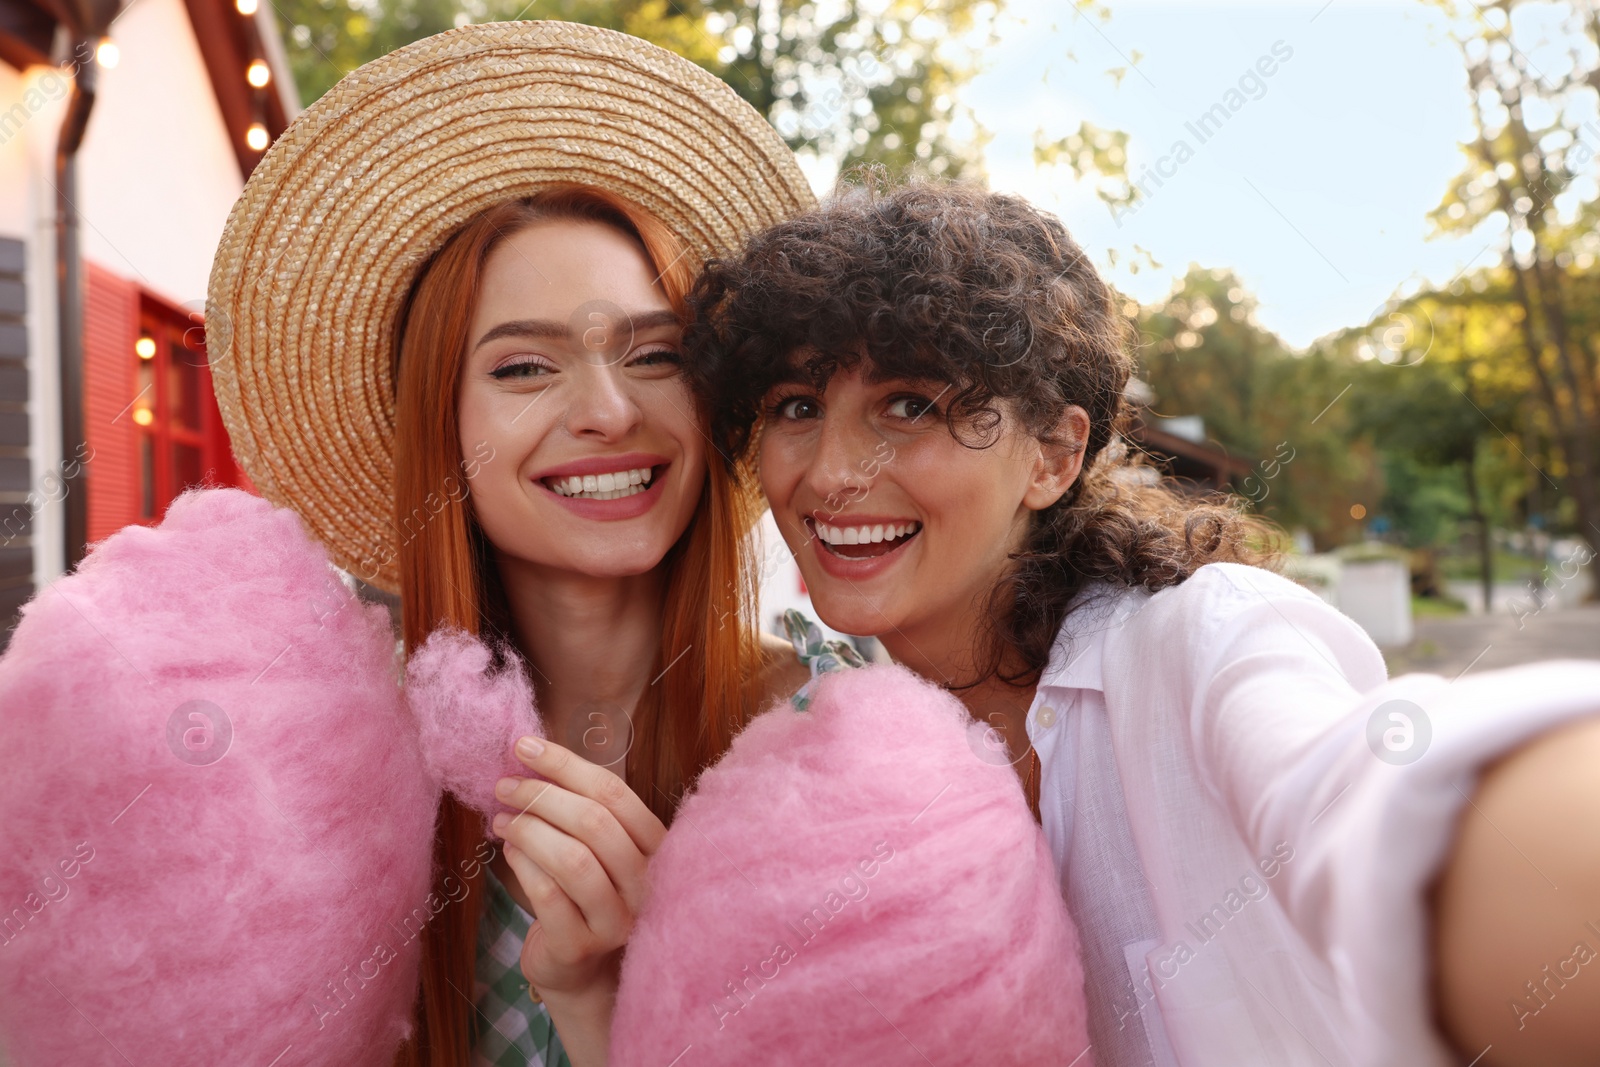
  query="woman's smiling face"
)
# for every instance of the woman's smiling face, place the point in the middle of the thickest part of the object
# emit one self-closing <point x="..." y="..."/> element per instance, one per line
<point x="572" y="379"/>
<point x="899" y="528"/>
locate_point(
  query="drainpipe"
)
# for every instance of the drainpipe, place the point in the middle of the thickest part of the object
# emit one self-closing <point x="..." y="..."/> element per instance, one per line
<point x="69" y="296"/>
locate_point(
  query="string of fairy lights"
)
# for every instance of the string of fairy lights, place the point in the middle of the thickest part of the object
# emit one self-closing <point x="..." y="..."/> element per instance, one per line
<point x="257" y="74"/>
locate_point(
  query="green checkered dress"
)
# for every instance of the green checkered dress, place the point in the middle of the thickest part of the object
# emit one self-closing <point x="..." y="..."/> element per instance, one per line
<point x="509" y="1029"/>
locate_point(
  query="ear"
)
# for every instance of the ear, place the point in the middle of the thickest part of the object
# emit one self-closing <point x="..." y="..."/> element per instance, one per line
<point x="1060" y="460"/>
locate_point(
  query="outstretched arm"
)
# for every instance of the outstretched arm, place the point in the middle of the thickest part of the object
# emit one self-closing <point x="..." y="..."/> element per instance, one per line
<point x="1517" y="909"/>
<point x="1418" y="852"/>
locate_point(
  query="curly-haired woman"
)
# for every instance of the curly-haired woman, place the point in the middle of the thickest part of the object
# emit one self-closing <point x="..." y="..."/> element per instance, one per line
<point x="1267" y="861"/>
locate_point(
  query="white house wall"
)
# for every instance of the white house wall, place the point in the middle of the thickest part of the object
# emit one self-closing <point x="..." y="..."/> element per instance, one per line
<point x="157" y="172"/>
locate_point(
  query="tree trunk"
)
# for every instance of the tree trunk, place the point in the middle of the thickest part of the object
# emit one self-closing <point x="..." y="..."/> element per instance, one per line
<point x="1544" y="330"/>
<point x="1485" y="540"/>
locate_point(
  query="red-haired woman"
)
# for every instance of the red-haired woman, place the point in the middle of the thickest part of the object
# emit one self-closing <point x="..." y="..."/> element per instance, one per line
<point x="598" y="540"/>
<point x="483" y="242"/>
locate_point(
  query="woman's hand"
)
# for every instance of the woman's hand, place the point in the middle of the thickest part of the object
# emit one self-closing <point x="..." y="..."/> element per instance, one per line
<point x="580" y="847"/>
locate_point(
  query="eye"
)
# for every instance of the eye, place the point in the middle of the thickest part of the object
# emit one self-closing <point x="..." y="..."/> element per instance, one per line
<point x="910" y="407"/>
<point x="657" y="359"/>
<point x="521" y="369"/>
<point x="796" y="407"/>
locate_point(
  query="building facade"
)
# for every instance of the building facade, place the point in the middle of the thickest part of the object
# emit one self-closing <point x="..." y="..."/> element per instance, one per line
<point x="182" y="99"/>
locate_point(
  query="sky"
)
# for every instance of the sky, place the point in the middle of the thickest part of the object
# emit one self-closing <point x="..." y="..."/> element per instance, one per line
<point x="1315" y="191"/>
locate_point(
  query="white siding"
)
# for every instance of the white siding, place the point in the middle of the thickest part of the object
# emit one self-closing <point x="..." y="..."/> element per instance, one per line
<point x="157" y="173"/>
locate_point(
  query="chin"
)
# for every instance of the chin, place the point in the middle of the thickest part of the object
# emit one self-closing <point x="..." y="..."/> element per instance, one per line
<point x="848" y="613"/>
<point x="618" y="564"/>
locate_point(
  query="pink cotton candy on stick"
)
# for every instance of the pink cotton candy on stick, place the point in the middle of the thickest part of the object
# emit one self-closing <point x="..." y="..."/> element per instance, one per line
<point x="470" y="714"/>
<point x="860" y="883"/>
<point x="217" y="821"/>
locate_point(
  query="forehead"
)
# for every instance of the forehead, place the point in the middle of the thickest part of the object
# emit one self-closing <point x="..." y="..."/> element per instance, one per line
<point x="554" y="267"/>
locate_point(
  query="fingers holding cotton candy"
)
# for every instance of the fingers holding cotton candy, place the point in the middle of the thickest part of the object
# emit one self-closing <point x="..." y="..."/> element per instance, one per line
<point x="470" y="705"/>
<point x="218" y="822"/>
<point x="854" y="884"/>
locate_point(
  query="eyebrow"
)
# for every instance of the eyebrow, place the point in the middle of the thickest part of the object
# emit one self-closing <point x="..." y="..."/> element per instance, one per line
<point x="550" y="330"/>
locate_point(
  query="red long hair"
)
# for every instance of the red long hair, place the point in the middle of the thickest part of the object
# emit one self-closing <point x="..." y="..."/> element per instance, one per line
<point x="447" y="577"/>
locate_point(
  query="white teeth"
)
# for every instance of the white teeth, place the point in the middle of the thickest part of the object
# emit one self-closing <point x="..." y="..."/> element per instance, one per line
<point x="864" y="535"/>
<point x="610" y="486"/>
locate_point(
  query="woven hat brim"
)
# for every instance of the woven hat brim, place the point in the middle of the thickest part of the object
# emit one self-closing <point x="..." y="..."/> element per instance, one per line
<point x="322" y="247"/>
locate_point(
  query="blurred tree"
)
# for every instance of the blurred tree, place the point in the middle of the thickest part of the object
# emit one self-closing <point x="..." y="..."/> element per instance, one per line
<point x="1425" y="418"/>
<point x="1203" y="353"/>
<point x="1530" y="172"/>
<point x="851" y="81"/>
<point x="1442" y="388"/>
<point x="1092" y="153"/>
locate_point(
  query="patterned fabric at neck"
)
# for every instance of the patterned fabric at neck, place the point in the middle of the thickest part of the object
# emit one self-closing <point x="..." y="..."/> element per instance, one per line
<point x="819" y="654"/>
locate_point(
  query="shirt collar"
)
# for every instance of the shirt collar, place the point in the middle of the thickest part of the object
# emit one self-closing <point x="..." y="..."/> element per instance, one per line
<point x="1077" y="657"/>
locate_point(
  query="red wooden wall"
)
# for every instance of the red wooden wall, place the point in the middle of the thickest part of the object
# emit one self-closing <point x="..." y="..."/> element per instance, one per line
<point x="122" y="489"/>
<point x="111" y="326"/>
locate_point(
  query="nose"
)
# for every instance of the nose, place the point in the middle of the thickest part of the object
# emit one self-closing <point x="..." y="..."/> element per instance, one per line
<point x="840" y="472"/>
<point x="603" y="406"/>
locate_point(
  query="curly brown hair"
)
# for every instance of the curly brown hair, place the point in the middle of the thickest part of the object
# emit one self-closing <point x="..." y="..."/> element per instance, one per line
<point x="983" y="292"/>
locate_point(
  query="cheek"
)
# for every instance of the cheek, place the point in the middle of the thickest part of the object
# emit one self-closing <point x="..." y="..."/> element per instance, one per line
<point x="668" y="410"/>
<point x="781" y="463"/>
<point x="506" y="430"/>
<point x="970" y="499"/>
<point x="474" y="422"/>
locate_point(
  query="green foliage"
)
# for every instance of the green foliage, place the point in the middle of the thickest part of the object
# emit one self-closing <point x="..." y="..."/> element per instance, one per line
<point x="1438" y="388"/>
<point x="1425" y="503"/>
<point x="1092" y="153"/>
<point x="1433" y="607"/>
<point x="1203" y="353"/>
<point x="1531" y="174"/>
<point x="853" y="81"/>
<point x="326" y="39"/>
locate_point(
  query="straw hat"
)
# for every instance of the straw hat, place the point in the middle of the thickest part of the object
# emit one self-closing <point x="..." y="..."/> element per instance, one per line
<point x="321" y="249"/>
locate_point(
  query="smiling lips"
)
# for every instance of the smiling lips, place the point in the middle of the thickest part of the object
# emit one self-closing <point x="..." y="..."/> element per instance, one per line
<point x="863" y="546"/>
<point x="601" y="486"/>
<point x="607" y="487"/>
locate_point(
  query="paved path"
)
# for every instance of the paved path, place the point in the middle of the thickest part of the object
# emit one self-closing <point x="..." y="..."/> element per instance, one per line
<point x="1484" y="642"/>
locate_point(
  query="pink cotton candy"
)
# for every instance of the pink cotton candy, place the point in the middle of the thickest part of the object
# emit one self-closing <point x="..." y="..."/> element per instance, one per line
<point x="854" y="884"/>
<point x="159" y="905"/>
<point x="470" y="715"/>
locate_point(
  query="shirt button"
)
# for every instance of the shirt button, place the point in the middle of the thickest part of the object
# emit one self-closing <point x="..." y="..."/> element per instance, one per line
<point x="1047" y="716"/>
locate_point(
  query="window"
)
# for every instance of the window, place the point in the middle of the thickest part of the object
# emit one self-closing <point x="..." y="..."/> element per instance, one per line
<point x="181" y="440"/>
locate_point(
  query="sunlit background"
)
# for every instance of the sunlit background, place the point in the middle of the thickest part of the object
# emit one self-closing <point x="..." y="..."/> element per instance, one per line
<point x="1354" y="243"/>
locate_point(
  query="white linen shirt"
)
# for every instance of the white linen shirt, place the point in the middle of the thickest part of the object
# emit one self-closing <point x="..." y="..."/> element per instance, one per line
<point x="1247" y="874"/>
